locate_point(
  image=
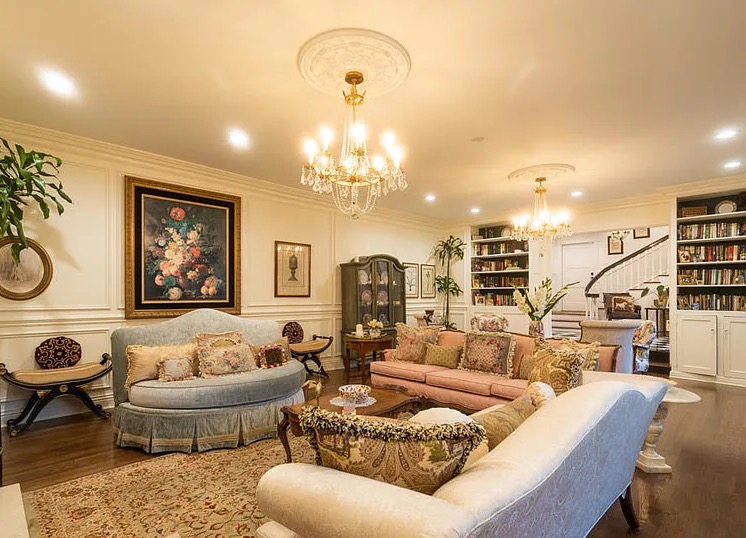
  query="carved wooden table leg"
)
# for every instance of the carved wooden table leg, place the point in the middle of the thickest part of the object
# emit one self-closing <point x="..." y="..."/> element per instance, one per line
<point x="282" y="433"/>
<point x="649" y="460"/>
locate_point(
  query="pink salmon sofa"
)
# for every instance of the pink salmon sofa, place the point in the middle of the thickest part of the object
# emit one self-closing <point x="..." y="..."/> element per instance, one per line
<point x="466" y="390"/>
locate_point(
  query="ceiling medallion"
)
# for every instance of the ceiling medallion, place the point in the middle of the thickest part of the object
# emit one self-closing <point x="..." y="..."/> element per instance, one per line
<point x="541" y="224"/>
<point x="325" y="60"/>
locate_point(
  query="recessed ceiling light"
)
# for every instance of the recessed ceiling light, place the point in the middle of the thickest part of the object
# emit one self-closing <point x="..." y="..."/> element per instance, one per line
<point x="725" y="134"/>
<point x="475" y="210"/>
<point x="576" y="194"/>
<point x="430" y="197"/>
<point x="57" y="82"/>
<point x="732" y="164"/>
<point x="238" y="138"/>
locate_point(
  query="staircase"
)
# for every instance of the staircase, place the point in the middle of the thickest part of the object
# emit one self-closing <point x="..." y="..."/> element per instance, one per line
<point x="644" y="268"/>
<point x="567" y="324"/>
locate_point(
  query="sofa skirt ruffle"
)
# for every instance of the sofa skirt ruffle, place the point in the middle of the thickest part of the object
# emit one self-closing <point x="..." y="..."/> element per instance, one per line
<point x="189" y="430"/>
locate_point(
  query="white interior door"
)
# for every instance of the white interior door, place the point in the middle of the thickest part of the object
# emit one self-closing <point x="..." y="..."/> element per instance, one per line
<point x="578" y="262"/>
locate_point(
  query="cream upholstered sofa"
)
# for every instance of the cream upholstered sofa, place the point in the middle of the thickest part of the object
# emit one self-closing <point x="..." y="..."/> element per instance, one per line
<point x="555" y="476"/>
<point x="203" y="413"/>
<point x="464" y="389"/>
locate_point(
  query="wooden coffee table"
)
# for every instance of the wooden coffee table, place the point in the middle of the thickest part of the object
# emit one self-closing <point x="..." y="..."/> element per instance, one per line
<point x="389" y="403"/>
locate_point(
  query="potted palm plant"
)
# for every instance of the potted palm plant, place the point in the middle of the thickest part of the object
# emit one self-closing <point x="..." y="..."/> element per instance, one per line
<point x="446" y="252"/>
<point x="26" y="179"/>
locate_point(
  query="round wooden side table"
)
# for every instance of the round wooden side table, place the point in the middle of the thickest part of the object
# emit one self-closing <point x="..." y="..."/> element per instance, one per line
<point x="363" y="346"/>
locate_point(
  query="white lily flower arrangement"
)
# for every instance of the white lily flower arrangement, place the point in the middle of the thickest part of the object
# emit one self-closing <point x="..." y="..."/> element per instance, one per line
<point x="537" y="304"/>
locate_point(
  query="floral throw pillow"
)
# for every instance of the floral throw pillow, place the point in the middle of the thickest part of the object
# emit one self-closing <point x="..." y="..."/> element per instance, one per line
<point x="410" y="342"/>
<point x="447" y="356"/>
<point x="420" y="457"/>
<point x="489" y="352"/>
<point x="230" y="338"/>
<point x="175" y="369"/>
<point x="590" y="351"/>
<point x="272" y="355"/>
<point x="217" y="361"/>
<point x="561" y="370"/>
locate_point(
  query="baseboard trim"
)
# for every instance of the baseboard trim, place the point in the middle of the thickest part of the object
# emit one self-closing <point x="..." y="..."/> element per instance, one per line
<point x="717" y="380"/>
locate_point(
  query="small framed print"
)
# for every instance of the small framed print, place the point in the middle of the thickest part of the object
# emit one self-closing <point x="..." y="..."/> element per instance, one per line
<point x="479" y="299"/>
<point x="640" y="233"/>
<point x="427" y="281"/>
<point x="411" y="280"/>
<point x="683" y="303"/>
<point x="614" y="246"/>
<point x="686" y="280"/>
<point x="685" y="256"/>
<point x="292" y="269"/>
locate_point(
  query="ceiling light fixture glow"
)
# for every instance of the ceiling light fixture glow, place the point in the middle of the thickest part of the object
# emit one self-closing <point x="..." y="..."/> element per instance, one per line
<point x="725" y="134"/>
<point x="576" y="194"/>
<point x="57" y="82"/>
<point x="475" y="210"/>
<point x="238" y="138"/>
<point x="732" y="164"/>
<point x="430" y="197"/>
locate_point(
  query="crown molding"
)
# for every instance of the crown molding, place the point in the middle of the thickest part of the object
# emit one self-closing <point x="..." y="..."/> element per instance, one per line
<point x="706" y="186"/>
<point x="163" y="167"/>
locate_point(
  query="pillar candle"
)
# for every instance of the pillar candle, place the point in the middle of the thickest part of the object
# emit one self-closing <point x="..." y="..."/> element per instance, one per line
<point x="359" y="330"/>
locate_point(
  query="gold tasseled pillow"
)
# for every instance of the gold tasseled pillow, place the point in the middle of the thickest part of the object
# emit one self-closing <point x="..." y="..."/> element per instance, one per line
<point x="560" y="369"/>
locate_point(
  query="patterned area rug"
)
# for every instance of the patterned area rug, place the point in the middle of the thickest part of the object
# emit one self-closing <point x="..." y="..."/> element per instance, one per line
<point x="211" y="494"/>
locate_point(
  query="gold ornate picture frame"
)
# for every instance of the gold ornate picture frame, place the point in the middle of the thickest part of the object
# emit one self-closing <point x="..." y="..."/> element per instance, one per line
<point x="20" y="282"/>
<point x="182" y="250"/>
<point x="292" y="269"/>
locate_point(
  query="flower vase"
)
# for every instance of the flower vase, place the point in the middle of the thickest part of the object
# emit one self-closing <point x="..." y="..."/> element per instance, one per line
<point x="375" y="333"/>
<point x="536" y="328"/>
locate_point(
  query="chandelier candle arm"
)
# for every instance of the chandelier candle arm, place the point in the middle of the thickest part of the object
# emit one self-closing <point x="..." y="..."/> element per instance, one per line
<point x="355" y="181"/>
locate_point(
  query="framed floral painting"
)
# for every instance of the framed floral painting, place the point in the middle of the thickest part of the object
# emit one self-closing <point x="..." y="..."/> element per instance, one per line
<point x="182" y="250"/>
<point x="427" y="281"/>
<point x="292" y="269"/>
<point x="411" y="280"/>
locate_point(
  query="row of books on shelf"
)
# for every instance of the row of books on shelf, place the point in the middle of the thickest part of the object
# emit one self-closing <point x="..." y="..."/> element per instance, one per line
<point x="709" y="277"/>
<point x="713" y="230"/>
<point x="711" y="301"/>
<point x="491" y="232"/>
<point x="712" y="253"/>
<point x="488" y="249"/>
<point x="487" y="281"/>
<point x="493" y="299"/>
<point x="496" y="265"/>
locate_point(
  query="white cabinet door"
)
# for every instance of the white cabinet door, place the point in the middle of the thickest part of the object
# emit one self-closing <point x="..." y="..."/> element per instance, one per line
<point x="696" y="344"/>
<point x="734" y="346"/>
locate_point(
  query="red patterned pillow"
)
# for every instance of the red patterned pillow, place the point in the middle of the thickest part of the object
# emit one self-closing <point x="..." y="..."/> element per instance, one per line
<point x="58" y="352"/>
<point x="411" y="342"/>
<point x="489" y="352"/>
<point x="272" y="355"/>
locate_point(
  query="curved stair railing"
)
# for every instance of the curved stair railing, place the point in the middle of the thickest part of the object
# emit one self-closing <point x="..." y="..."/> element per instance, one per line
<point x="629" y="273"/>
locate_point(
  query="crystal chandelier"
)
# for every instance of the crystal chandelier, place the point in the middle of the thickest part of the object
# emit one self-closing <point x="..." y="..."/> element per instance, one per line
<point x="355" y="181"/>
<point x="542" y="224"/>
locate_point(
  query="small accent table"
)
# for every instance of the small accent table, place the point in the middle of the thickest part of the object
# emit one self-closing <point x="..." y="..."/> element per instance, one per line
<point x="389" y="403"/>
<point x="649" y="460"/>
<point x="363" y="346"/>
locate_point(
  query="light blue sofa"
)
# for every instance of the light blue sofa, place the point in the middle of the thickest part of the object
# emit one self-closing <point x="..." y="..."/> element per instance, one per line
<point x="200" y="414"/>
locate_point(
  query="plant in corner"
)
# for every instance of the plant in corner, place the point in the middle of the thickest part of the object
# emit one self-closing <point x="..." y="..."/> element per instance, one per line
<point x="447" y="251"/>
<point x="538" y="304"/>
<point x="26" y="177"/>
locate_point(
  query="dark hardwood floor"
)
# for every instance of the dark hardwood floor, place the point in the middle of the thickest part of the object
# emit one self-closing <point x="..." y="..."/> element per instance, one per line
<point x="704" y="442"/>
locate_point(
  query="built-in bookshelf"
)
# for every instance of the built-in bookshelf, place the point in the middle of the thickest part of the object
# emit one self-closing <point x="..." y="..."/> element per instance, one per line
<point x="711" y="253"/>
<point x="498" y="263"/>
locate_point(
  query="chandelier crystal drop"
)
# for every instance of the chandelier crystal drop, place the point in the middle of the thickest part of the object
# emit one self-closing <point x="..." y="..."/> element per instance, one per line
<point x="355" y="180"/>
<point x="541" y="224"/>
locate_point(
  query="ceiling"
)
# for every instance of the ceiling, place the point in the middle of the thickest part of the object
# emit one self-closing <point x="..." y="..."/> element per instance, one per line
<point x="630" y="93"/>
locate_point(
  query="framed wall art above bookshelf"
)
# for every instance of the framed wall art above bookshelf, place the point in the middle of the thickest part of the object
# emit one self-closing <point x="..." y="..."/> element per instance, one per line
<point x="497" y="264"/>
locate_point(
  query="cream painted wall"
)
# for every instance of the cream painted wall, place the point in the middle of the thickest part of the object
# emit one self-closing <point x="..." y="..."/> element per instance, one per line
<point x="85" y="300"/>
